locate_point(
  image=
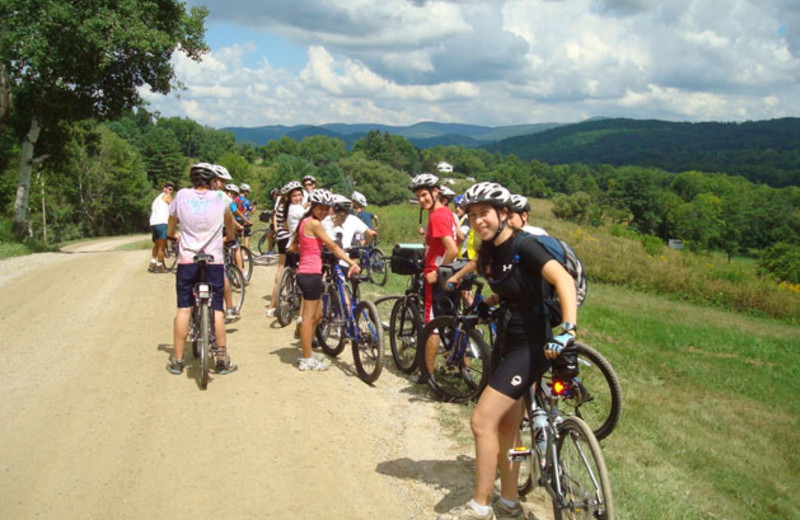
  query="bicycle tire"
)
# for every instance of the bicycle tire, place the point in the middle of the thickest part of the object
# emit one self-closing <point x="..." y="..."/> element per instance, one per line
<point x="205" y="341"/>
<point x="404" y="326"/>
<point x="236" y="280"/>
<point x="194" y="335"/>
<point x="454" y="379"/>
<point x="598" y="399"/>
<point x="331" y="331"/>
<point x="529" y="471"/>
<point x="247" y="263"/>
<point x="260" y="238"/>
<point x="583" y="474"/>
<point x="378" y="270"/>
<point x="288" y="303"/>
<point x="170" y="256"/>
<point x="368" y="354"/>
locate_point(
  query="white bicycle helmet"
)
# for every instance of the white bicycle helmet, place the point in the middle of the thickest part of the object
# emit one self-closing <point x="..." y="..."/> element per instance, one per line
<point x="340" y="201"/>
<point x="321" y="196"/>
<point x="359" y="199"/>
<point x="309" y="178"/>
<point x="222" y="172"/>
<point x="487" y="193"/>
<point x="244" y="187"/>
<point x="291" y="185"/>
<point x="424" y="180"/>
<point x="519" y="204"/>
<point x="444" y="191"/>
<point x="202" y="174"/>
<point x="232" y="187"/>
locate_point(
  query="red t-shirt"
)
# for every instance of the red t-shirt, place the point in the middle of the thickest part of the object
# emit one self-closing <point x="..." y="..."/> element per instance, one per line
<point x="442" y="223"/>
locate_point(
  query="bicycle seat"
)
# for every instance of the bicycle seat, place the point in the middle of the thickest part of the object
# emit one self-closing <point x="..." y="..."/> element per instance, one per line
<point x="203" y="258"/>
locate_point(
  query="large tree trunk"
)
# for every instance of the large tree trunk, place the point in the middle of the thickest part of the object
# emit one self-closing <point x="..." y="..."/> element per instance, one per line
<point x="24" y="181"/>
<point x="5" y="96"/>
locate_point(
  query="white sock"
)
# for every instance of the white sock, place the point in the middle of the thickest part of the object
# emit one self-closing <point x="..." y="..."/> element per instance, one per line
<point x="152" y="260"/>
<point x="159" y="264"/>
<point x="299" y="320"/>
<point x="481" y="510"/>
<point x="509" y="503"/>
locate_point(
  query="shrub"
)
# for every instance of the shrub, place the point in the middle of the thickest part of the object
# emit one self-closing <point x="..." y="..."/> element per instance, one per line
<point x="782" y="261"/>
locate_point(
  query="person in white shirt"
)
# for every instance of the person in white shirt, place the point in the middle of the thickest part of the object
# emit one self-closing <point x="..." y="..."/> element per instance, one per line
<point x="159" y="216"/>
<point x="518" y="218"/>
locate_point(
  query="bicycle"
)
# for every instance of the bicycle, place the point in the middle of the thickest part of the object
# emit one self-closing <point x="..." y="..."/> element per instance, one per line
<point x="405" y="320"/>
<point x="171" y="256"/>
<point x="235" y="279"/>
<point x="247" y="259"/>
<point x="201" y="323"/>
<point x="561" y="454"/>
<point x="373" y="261"/>
<point x="288" y="305"/>
<point x="344" y="318"/>
<point x="463" y="362"/>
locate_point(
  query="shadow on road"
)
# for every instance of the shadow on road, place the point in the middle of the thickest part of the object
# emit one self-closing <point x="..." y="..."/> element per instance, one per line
<point x="454" y="477"/>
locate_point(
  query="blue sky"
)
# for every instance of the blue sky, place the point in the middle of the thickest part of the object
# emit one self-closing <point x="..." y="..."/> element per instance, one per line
<point x="490" y="62"/>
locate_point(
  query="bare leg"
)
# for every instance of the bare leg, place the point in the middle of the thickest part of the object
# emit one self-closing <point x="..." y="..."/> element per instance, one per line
<point x="180" y="331"/>
<point x="485" y="422"/>
<point x="312" y="312"/>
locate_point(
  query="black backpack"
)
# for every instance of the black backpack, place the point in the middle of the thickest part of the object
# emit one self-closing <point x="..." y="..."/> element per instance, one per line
<point x="566" y="256"/>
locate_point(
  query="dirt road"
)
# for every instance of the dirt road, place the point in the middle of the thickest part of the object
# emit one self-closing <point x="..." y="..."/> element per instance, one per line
<point x="93" y="426"/>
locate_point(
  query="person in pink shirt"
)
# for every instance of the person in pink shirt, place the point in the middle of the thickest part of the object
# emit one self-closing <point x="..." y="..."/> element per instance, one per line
<point x="309" y="239"/>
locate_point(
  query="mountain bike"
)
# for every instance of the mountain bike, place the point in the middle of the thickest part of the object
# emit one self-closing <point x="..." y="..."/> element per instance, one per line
<point x="463" y="362"/>
<point x="247" y="259"/>
<point x="288" y="305"/>
<point x="374" y="262"/>
<point x="405" y="323"/>
<point x="171" y="255"/>
<point x="235" y="279"/>
<point x="201" y="324"/>
<point x="344" y="318"/>
<point x="559" y="453"/>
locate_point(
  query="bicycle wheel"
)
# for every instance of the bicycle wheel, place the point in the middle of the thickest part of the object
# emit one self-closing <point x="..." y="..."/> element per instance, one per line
<point x="582" y="473"/>
<point x="597" y="398"/>
<point x="378" y="270"/>
<point x="330" y="331"/>
<point x="236" y="280"/>
<point x="529" y="470"/>
<point x="205" y="341"/>
<point x="368" y="354"/>
<point x="404" y="328"/>
<point x="288" y="304"/>
<point x="462" y="364"/>
<point x="194" y="334"/>
<point x="262" y="243"/>
<point x="171" y="256"/>
<point x="247" y="263"/>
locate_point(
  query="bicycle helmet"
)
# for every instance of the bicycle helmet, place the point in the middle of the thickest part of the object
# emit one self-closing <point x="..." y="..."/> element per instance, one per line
<point x="244" y="187"/>
<point x="446" y="192"/>
<point x="309" y="178"/>
<point x="232" y="187"/>
<point x="222" y="172"/>
<point x="202" y="173"/>
<point x="459" y="200"/>
<point x="424" y="180"/>
<point x="520" y="204"/>
<point x="359" y="199"/>
<point x="321" y="197"/>
<point x="487" y="193"/>
<point x="273" y="192"/>
<point x="340" y="201"/>
<point x="290" y="186"/>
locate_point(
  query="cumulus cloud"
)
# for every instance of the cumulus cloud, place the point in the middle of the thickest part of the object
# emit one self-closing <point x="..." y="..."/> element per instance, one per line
<point x="489" y="62"/>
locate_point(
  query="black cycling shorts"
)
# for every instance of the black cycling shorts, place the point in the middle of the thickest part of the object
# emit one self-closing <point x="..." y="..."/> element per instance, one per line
<point x="521" y="367"/>
<point x="282" y="243"/>
<point x="189" y="274"/>
<point x="310" y="286"/>
<point x="248" y="230"/>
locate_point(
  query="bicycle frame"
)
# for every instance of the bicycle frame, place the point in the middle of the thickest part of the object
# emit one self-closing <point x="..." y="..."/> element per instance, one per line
<point x="336" y="275"/>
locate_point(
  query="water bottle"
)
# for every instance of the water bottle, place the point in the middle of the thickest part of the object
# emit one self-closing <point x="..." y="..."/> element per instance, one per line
<point x="540" y="431"/>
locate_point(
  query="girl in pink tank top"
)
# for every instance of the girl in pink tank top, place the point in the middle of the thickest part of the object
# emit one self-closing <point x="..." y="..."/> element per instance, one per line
<point x="310" y="235"/>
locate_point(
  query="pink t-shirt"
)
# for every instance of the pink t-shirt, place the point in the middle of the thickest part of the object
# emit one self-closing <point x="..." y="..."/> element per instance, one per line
<point x="441" y="223"/>
<point x="201" y="214"/>
<point x="310" y="252"/>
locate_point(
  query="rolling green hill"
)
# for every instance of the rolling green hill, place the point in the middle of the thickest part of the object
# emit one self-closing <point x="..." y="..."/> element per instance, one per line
<point x="763" y="151"/>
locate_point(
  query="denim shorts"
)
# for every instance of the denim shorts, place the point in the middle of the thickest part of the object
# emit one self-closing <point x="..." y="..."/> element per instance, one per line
<point x="159" y="232"/>
<point x="189" y="274"/>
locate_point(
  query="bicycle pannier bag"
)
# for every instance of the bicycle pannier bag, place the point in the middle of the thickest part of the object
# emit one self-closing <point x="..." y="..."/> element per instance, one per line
<point x="408" y="259"/>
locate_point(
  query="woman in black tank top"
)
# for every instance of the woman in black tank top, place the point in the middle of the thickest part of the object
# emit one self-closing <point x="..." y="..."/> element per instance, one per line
<point x="527" y="342"/>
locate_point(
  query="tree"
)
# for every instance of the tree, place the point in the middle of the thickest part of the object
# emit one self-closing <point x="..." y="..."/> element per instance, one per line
<point x="68" y="61"/>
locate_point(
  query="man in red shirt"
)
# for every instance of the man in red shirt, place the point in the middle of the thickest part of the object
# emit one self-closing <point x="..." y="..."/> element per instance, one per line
<point x="441" y="248"/>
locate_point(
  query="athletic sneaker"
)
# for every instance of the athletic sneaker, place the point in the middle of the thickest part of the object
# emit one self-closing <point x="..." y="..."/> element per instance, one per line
<point x="271" y="312"/>
<point x="313" y="363"/>
<point x="502" y="511"/>
<point x="231" y="315"/>
<point x="175" y="366"/>
<point x="466" y="513"/>
<point x="225" y="366"/>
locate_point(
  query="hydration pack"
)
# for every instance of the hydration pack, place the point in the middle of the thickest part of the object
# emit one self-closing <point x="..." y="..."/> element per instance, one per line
<point x="566" y="256"/>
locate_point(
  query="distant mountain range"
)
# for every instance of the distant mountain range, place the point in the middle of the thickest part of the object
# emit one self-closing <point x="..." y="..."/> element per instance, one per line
<point x="763" y="151"/>
<point x="422" y="135"/>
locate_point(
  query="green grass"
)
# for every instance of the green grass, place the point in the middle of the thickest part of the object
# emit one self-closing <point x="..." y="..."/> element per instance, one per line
<point x="136" y="246"/>
<point x="10" y="249"/>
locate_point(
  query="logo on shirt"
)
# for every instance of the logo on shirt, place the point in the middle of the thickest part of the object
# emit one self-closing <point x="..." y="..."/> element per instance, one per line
<point x="507" y="267"/>
<point x="516" y="381"/>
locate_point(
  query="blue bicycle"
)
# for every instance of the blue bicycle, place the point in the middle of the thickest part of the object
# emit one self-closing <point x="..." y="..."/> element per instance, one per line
<point x="345" y="318"/>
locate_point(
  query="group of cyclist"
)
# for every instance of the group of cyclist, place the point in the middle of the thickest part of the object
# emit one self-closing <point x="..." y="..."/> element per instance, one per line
<point x="306" y="219"/>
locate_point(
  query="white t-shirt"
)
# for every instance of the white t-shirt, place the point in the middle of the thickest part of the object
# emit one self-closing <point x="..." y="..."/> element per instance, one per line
<point x="533" y="230"/>
<point x="159" y="211"/>
<point x="293" y="217"/>
<point x="351" y="226"/>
